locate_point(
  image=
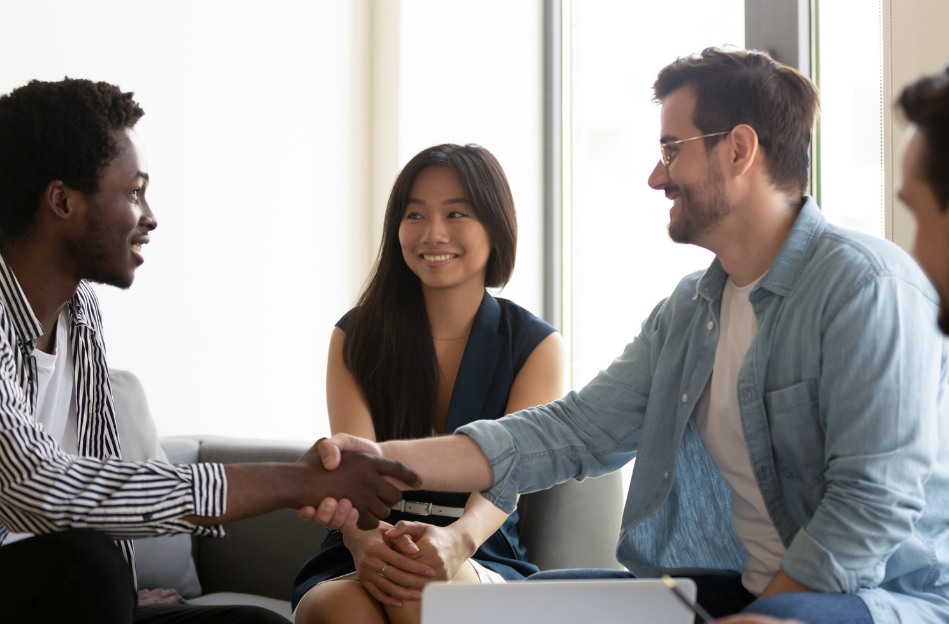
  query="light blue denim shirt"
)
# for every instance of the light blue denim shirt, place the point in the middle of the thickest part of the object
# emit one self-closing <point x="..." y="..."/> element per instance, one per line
<point x="844" y="410"/>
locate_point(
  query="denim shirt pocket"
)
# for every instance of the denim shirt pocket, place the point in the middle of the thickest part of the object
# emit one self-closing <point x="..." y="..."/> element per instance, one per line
<point x="797" y="435"/>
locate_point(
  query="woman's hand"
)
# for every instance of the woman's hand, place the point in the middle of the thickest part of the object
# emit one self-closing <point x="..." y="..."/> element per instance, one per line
<point x="403" y="578"/>
<point x="443" y="548"/>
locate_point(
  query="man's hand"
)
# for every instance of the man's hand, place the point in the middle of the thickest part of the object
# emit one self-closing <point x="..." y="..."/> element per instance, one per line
<point x="783" y="584"/>
<point x="331" y="514"/>
<point x="330" y="448"/>
<point x="361" y="479"/>
<point x="159" y="596"/>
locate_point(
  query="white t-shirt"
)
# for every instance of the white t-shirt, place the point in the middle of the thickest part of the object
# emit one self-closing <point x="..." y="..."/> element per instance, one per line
<point x="55" y="398"/>
<point x="718" y="420"/>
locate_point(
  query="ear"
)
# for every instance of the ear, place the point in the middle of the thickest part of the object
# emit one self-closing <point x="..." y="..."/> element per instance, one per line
<point x="60" y="201"/>
<point x="743" y="143"/>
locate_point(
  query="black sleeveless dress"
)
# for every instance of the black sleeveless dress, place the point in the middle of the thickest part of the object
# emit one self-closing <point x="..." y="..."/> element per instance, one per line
<point x="502" y="338"/>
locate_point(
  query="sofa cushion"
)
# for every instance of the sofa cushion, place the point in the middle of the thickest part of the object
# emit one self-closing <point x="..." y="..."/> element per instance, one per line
<point x="165" y="562"/>
<point x="160" y="562"/>
<point x="230" y="598"/>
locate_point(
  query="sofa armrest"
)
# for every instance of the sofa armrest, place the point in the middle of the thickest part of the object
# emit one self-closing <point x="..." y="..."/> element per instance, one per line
<point x="260" y="555"/>
<point x="574" y="524"/>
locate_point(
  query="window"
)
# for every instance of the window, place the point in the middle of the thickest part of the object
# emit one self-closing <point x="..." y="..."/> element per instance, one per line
<point x="621" y="262"/>
<point x="849" y="145"/>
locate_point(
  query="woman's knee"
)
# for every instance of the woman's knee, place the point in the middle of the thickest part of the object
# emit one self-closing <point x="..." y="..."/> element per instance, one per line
<point x="338" y="602"/>
<point x="409" y="613"/>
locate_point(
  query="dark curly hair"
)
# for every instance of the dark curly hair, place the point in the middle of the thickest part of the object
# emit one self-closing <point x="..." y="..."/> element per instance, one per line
<point x="56" y="131"/>
<point x="735" y="87"/>
<point x="926" y="104"/>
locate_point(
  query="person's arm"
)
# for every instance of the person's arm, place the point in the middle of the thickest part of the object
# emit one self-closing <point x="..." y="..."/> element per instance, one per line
<point x="880" y="388"/>
<point x="539" y="381"/>
<point x="585" y="434"/>
<point x="255" y="489"/>
<point x="44" y="490"/>
<point x="781" y="583"/>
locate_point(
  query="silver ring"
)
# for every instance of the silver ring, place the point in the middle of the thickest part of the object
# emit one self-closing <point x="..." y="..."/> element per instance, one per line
<point x="383" y="573"/>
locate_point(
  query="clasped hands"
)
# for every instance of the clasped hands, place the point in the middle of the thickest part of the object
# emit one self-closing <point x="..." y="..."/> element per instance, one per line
<point x="394" y="563"/>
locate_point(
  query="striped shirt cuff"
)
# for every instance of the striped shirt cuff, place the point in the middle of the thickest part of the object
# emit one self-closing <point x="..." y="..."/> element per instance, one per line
<point x="210" y="488"/>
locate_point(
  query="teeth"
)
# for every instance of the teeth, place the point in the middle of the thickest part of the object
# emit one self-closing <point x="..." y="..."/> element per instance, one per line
<point x="136" y="248"/>
<point x="436" y="258"/>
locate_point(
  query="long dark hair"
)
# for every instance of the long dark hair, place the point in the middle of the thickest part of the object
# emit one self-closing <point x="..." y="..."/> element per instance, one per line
<point x="388" y="346"/>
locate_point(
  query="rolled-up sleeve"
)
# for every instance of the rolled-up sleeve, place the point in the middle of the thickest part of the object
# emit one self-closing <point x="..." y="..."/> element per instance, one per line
<point x="585" y="434"/>
<point x="43" y="490"/>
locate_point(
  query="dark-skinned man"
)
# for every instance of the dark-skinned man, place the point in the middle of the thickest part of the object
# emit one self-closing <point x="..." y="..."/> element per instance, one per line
<point x="73" y="210"/>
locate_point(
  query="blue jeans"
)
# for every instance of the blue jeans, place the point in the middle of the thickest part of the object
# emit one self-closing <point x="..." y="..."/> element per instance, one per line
<point x="724" y="595"/>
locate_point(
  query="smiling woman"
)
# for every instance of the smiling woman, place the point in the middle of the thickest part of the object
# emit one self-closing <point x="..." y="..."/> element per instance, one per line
<point x="442" y="240"/>
<point x="426" y="351"/>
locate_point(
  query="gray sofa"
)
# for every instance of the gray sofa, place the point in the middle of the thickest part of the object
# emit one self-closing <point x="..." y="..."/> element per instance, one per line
<point x="569" y="526"/>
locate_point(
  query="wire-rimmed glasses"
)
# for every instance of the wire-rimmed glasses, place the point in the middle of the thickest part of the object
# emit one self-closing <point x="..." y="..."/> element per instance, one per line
<point x="665" y="147"/>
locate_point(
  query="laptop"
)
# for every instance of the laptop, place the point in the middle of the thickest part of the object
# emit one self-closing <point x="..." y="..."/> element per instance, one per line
<point x="639" y="601"/>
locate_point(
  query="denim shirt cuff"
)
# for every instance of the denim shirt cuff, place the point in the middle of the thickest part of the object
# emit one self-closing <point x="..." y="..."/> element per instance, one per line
<point x="498" y="446"/>
<point x="810" y="564"/>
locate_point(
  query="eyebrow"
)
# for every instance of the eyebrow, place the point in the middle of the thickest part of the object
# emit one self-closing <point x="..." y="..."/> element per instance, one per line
<point x="668" y="138"/>
<point x="142" y="175"/>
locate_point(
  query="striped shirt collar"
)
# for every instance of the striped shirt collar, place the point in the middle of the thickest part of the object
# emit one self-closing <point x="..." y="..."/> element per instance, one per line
<point x="28" y="327"/>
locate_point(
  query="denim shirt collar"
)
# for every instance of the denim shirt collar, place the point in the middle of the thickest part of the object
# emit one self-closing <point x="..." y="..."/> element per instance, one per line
<point x="781" y="277"/>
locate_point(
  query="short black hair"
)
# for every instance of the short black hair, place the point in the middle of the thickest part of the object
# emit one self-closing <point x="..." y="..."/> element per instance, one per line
<point x="56" y="131"/>
<point x="733" y="87"/>
<point x="926" y="104"/>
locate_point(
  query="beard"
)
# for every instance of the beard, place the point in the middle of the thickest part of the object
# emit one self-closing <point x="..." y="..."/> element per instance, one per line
<point x="102" y="254"/>
<point x="700" y="209"/>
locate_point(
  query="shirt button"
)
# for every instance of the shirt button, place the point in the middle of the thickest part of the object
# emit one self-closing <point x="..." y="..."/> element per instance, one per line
<point x="665" y="475"/>
<point x="711" y="324"/>
<point x="685" y="398"/>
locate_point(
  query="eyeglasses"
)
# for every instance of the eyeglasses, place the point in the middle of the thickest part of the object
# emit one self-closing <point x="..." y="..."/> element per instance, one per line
<point x="666" y="147"/>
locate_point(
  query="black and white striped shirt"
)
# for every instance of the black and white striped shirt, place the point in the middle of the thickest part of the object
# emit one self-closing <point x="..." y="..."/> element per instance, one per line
<point x="42" y="489"/>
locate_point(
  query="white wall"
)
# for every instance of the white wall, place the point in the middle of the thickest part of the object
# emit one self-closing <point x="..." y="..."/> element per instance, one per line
<point x="472" y="72"/>
<point x="248" y="131"/>
<point x="915" y="44"/>
<point x="270" y="130"/>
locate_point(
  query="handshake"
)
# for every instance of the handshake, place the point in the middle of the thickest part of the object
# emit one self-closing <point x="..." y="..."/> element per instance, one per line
<point x="354" y="484"/>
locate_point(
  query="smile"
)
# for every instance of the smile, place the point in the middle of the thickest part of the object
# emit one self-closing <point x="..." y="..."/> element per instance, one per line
<point x="137" y="242"/>
<point x="439" y="258"/>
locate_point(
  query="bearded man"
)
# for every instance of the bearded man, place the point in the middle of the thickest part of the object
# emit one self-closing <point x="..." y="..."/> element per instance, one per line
<point x="786" y="407"/>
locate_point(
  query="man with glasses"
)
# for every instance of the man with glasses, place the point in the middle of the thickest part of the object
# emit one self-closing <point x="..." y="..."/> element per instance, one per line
<point x="786" y="407"/>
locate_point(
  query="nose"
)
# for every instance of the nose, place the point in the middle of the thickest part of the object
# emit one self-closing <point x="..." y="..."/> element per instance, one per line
<point x="436" y="232"/>
<point x="659" y="178"/>
<point x="147" y="219"/>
